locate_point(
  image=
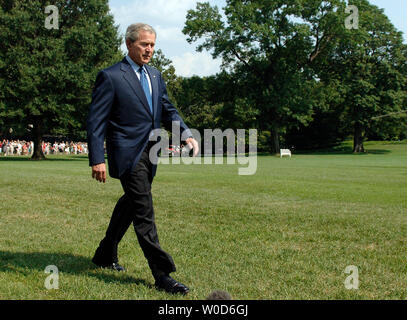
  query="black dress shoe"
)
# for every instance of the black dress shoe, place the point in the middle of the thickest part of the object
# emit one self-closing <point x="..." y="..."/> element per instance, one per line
<point x="170" y="285"/>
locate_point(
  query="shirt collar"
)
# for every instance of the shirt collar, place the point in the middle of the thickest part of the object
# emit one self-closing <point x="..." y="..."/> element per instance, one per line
<point x="134" y="65"/>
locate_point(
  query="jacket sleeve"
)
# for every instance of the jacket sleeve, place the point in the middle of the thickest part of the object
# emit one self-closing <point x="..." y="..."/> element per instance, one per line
<point x="170" y="113"/>
<point x="99" y="111"/>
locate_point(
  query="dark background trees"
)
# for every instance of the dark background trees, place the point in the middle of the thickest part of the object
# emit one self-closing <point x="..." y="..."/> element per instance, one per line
<point x="310" y="80"/>
<point x="291" y="69"/>
<point x="46" y="75"/>
<point x="366" y="67"/>
<point x="270" y="47"/>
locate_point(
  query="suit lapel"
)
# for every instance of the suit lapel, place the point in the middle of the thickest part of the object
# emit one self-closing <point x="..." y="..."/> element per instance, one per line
<point x="131" y="78"/>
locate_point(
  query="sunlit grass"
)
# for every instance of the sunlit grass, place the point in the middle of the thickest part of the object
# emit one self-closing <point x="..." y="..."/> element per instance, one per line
<point x="287" y="232"/>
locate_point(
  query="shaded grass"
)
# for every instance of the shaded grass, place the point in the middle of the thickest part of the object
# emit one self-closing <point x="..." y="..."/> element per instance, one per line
<point x="287" y="232"/>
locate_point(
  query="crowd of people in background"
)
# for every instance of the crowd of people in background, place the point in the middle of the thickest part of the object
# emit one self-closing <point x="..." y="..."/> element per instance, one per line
<point x="23" y="148"/>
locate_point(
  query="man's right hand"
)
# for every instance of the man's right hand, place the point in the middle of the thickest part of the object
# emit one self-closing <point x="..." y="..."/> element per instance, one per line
<point x="99" y="172"/>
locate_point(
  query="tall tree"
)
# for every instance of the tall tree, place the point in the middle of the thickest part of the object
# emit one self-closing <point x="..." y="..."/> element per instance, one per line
<point x="47" y="71"/>
<point x="270" y="46"/>
<point x="367" y="66"/>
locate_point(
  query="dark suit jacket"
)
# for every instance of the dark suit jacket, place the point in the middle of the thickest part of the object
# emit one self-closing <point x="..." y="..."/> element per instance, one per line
<point x="119" y="112"/>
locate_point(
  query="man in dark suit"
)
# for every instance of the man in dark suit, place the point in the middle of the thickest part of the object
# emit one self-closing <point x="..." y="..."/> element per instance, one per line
<point x="129" y="101"/>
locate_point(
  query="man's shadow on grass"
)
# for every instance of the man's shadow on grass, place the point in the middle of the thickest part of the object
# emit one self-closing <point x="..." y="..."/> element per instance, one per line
<point x="66" y="264"/>
<point x="51" y="159"/>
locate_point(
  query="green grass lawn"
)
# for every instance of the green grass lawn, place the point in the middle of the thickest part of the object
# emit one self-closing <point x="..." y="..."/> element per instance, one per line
<point x="287" y="232"/>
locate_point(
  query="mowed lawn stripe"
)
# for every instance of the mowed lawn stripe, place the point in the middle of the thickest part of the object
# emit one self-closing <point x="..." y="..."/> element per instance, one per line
<point x="287" y="232"/>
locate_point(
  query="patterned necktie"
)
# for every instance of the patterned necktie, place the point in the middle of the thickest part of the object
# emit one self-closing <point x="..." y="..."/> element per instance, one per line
<point x="146" y="88"/>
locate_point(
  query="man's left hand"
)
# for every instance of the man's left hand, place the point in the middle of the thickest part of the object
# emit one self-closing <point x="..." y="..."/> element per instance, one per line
<point x="193" y="144"/>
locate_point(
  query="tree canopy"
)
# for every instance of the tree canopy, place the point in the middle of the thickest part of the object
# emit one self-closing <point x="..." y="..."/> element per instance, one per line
<point x="47" y="74"/>
<point x="293" y="69"/>
<point x="291" y="57"/>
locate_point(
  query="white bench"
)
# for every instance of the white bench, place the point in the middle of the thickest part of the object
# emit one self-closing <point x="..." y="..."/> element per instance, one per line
<point x="285" y="152"/>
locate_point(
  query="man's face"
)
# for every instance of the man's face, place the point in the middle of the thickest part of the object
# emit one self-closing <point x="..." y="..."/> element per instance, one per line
<point x="142" y="50"/>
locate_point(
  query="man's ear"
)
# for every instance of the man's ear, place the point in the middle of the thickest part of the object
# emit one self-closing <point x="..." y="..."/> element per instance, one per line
<point x="128" y="43"/>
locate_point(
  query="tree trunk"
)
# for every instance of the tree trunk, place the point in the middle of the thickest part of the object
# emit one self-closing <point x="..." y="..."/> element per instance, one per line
<point x="358" y="139"/>
<point x="38" y="154"/>
<point x="275" y="141"/>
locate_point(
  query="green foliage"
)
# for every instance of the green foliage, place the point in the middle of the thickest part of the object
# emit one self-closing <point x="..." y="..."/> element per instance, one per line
<point x="294" y="60"/>
<point x="201" y="101"/>
<point x="167" y="70"/>
<point x="270" y="46"/>
<point x="367" y="67"/>
<point x="290" y="68"/>
<point x="47" y="74"/>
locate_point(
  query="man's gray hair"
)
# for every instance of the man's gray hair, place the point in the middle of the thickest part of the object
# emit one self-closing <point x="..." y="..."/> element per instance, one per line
<point x="133" y="31"/>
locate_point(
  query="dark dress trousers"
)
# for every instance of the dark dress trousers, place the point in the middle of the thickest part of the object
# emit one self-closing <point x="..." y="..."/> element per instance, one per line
<point x="119" y="113"/>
